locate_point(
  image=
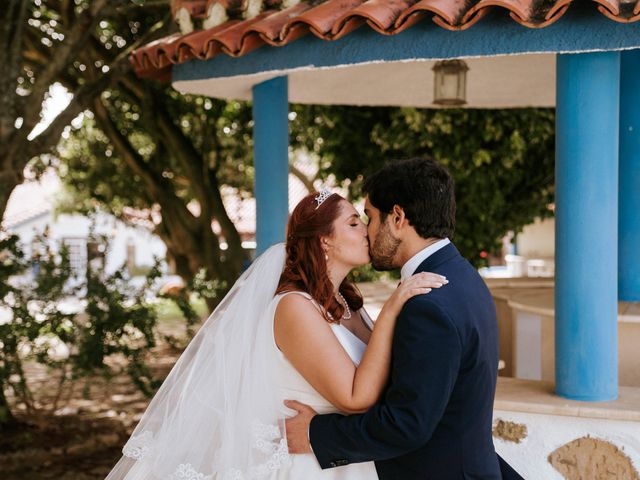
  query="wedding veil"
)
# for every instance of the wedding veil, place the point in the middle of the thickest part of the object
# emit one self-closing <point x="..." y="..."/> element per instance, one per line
<point x="217" y="415"/>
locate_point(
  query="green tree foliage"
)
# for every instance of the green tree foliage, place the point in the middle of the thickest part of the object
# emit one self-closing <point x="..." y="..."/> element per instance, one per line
<point x="113" y="318"/>
<point x="68" y="42"/>
<point x="502" y="160"/>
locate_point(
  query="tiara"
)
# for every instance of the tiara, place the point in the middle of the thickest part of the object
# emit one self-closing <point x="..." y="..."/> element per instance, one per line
<point x="322" y="196"/>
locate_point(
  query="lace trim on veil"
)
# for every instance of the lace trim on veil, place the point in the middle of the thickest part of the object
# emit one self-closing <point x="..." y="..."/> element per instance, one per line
<point x="138" y="446"/>
<point x="267" y="439"/>
<point x="186" y="472"/>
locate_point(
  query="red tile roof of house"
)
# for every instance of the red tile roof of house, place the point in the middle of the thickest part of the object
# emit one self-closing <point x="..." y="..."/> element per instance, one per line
<point x="333" y="19"/>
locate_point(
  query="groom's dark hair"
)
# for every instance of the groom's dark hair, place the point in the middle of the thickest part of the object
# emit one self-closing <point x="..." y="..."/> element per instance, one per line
<point x="423" y="188"/>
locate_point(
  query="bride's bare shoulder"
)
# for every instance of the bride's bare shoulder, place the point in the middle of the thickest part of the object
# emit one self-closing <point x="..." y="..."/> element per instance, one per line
<point x="298" y="320"/>
<point x="294" y="303"/>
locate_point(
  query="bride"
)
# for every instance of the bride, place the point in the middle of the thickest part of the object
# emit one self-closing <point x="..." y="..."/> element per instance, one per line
<point x="291" y="327"/>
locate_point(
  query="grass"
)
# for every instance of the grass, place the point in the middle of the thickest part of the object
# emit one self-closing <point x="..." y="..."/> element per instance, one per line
<point x="170" y="315"/>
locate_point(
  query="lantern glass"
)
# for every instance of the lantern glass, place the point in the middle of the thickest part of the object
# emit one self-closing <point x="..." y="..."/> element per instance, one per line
<point x="450" y="83"/>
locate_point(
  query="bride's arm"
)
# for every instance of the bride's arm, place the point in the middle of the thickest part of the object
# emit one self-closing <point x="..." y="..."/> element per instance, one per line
<point x="306" y="339"/>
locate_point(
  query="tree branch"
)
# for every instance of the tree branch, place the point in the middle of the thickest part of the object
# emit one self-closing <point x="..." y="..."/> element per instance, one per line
<point x="81" y="101"/>
<point x="16" y="44"/>
<point x="34" y="51"/>
<point x="229" y="230"/>
<point x="133" y="86"/>
<point x="126" y="151"/>
<point x="7" y="25"/>
<point x="202" y="182"/>
<point x="160" y="189"/>
<point x="126" y="9"/>
<point x="66" y="11"/>
<point x="307" y="182"/>
<point x="160" y="29"/>
<point x="197" y="177"/>
<point x="61" y="56"/>
<point x="51" y="135"/>
<point x="181" y="147"/>
<point x="11" y="44"/>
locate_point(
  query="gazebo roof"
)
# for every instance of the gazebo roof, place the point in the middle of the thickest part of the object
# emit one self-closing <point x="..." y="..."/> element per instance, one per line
<point x="381" y="52"/>
<point x="334" y="19"/>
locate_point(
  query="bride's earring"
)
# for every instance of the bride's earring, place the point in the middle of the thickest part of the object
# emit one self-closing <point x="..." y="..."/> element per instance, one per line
<point x="325" y="247"/>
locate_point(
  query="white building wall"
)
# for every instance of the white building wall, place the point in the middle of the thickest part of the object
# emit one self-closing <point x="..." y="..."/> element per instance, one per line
<point x="537" y="240"/>
<point x="61" y="227"/>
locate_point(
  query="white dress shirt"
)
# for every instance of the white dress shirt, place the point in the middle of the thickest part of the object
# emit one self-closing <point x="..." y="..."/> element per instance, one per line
<point x="414" y="262"/>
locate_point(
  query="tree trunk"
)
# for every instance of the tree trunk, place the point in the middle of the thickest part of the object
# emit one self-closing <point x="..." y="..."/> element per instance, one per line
<point x="188" y="259"/>
<point x="235" y="255"/>
<point x="206" y="190"/>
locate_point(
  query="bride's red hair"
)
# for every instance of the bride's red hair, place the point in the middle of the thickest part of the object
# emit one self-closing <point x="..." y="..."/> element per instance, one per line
<point x="306" y="268"/>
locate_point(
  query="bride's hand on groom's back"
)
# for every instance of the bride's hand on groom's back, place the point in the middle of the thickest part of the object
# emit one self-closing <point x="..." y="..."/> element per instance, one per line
<point x="418" y="284"/>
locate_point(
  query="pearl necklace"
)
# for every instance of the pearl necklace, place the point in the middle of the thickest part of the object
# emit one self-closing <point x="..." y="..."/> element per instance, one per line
<point x="347" y="311"/>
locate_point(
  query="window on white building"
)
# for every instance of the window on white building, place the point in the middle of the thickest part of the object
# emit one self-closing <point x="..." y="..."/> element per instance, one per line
<point x="77" y="254"/>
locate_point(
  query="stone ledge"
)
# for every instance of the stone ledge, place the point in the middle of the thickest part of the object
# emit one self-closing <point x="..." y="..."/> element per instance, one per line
<point x="519" y="282"/>
<point x="531" y="396"/>
<point x="541" y="301"/>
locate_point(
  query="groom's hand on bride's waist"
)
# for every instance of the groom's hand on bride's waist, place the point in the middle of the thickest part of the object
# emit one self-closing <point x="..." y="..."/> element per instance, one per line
<point x="298" y="427"/>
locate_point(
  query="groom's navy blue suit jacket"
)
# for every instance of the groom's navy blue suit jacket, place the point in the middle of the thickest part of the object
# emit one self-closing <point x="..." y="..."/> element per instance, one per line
<point x="434" y="419"/>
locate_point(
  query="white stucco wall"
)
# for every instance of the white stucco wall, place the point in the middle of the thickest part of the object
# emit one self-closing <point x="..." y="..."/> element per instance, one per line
<point x="120" y="235"/>
<point x="537" y="240"/>
<point x="546" y="433"/>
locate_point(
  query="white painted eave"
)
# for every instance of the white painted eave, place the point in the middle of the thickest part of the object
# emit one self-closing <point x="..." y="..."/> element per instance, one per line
<point x="508" y="81"/>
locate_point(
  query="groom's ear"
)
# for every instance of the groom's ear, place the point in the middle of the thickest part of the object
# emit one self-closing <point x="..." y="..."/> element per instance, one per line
<point x="398" y="219"/>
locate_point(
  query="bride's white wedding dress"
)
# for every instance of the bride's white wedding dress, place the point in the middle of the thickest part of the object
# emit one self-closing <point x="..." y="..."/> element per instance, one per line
<point x="291" y="385"/>
<point x="219" y="414"/>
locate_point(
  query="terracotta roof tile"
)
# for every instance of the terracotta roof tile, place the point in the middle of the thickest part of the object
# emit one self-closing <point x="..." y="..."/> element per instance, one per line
<point x="333" y="19"/>
<point x="380" y="15"/>
<point x="619" y="10"/>
<point x="520" y="10"/>
<point x="327" y="19"/>
<point x="277" y="28"/>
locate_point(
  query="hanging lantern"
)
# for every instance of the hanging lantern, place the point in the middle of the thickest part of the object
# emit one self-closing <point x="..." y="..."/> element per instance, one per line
<point x="450" y="83"/>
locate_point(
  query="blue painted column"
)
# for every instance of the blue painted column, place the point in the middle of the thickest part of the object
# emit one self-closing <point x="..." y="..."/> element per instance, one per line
<point x="271" y="160"/>
<point x="586" y="294"/>
<point x="629" y="197"/>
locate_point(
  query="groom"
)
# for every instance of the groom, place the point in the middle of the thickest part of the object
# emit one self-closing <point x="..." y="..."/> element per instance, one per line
<point x="434" y="419"/>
